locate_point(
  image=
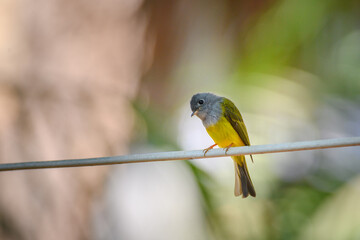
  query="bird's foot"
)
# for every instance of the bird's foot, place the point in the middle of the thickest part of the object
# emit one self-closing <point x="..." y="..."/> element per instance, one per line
<point x="207" y="149"/>
<point x="228" y="147"/>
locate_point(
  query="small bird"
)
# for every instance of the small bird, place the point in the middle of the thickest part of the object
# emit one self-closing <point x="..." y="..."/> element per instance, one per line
<point x="224" y="124"/>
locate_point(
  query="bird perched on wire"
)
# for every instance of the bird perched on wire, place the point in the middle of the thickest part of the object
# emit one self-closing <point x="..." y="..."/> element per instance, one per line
<point x="224" y="124"/>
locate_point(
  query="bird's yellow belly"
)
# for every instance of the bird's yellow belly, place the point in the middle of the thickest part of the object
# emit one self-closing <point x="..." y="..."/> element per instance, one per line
<point x="224" y="134"/>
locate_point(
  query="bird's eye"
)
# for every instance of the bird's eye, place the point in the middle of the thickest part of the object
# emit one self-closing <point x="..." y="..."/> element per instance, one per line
<point x="201" y="101"/>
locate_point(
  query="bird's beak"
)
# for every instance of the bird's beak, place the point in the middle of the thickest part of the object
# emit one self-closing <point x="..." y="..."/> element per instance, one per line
<point x="195" y="112"/>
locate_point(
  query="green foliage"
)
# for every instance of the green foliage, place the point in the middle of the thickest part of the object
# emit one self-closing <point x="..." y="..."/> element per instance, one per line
<point x="294" y="205"/>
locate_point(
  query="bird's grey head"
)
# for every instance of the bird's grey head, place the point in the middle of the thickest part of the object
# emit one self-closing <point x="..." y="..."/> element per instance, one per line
<point x="205" y="104"/>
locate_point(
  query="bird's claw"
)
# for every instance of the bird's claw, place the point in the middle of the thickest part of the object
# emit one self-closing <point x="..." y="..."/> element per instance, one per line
<point x="228" y="147"/>
<point x="207" y="149"/>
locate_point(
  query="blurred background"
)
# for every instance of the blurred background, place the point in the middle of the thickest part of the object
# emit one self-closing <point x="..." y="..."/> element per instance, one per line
<point x="98" y="78"/>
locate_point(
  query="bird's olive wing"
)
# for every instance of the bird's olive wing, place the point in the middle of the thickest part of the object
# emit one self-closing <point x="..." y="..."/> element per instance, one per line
<point x="233" y="115"/>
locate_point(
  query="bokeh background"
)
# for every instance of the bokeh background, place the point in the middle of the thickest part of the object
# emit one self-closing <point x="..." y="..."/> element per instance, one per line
<point x="85" y="78"/>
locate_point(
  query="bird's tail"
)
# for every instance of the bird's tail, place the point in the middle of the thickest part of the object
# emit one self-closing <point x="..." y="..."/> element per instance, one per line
<point x="243" y="183"/>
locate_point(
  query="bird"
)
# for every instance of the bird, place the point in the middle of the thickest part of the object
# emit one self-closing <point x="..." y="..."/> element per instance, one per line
<point x="225" y="125"/>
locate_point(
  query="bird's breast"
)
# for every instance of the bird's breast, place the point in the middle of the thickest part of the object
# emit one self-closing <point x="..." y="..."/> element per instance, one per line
<point x="223" y="133"/>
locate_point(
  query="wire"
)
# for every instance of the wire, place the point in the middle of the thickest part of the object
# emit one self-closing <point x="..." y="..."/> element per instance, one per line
<point x="185" y="155"/>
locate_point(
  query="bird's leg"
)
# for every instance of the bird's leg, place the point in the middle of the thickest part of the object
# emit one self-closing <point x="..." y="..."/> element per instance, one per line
<point x="207" y="149"/>
<point x="228" y="147"/>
